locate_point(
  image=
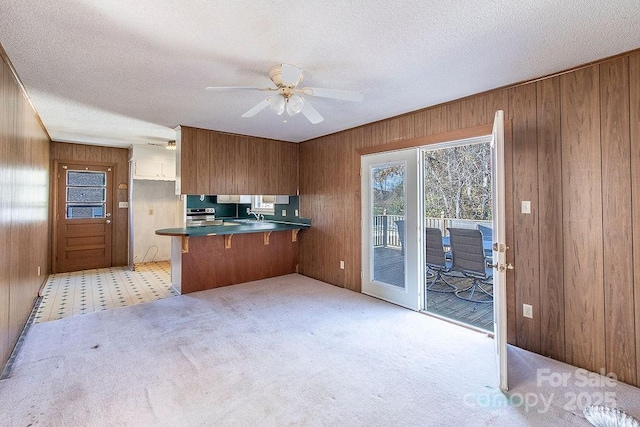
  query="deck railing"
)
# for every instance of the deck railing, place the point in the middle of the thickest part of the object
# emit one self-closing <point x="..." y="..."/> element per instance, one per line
<point x="385" y="229"/>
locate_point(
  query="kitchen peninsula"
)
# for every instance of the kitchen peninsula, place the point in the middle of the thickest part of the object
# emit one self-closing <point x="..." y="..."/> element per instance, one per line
<point x="234" y="251"/>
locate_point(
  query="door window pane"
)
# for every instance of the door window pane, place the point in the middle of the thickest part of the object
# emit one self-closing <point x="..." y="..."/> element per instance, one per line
<point x="388" y="201"/>
<point x="85" y="211"/>
<point x="86" y="179"/>
<point x="85" y="194"/>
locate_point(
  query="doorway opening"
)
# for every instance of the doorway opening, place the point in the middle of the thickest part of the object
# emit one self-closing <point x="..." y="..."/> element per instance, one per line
<point x="457" y="217"/>
<point x="470" y="266"/>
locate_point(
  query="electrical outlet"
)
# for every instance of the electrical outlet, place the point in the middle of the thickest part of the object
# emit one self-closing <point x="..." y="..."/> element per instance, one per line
<point x="284" y="212"/>
<point x="341" y="265"/>
<point x="296" y="212"/>
<point x="248" y="210"/>
<point x="527" y="311"/>
<point x="526" y="207"/>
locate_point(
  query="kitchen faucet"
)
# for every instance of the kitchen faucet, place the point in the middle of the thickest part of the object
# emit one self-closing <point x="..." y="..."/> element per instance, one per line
<point x="259" y="216"/>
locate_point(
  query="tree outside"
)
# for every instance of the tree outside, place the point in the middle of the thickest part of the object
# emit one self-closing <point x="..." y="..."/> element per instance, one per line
<point x="388" y="190"/>
<point x="457" y="182"/>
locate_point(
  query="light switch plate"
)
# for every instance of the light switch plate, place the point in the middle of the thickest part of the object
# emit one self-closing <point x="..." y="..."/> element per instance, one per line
<point x="284" y="212"/>
<point x="527" y="311"/>
<point x="296" y="212"/>
<point x="123" y="204"/>
<point x="526" y="207"/>
<point x="341" y="265"/>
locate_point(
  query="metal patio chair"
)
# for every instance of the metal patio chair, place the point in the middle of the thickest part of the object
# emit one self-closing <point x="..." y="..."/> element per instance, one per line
<point x="469" y="259"/>
<point x="436" y="262"/>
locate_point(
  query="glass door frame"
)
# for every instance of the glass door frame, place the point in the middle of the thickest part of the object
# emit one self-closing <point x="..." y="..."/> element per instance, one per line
<point x="409" y="296"/>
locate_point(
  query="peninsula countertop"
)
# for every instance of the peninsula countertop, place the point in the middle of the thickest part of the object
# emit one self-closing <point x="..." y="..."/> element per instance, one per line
<point x="233" y="226"/>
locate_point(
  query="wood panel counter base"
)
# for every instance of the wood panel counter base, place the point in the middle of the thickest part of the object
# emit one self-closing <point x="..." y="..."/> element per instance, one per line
<point x="212" y="263"/>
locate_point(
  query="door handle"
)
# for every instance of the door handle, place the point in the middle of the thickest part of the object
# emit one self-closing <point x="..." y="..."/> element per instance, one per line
<point x="500" y="267"/>
<point x="108" y="221"/>
<point x="108" y="214"/>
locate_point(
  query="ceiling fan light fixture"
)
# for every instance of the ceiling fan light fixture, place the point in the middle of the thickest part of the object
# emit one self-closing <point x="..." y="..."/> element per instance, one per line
<point x="277" y="104"/>
<point x="294" y="105"/>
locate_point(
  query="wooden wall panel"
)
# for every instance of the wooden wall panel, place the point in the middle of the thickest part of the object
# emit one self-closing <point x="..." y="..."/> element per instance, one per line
<point x="120" y="158"/>
<point x="582" y="219"/>
<point x="438" y="120"/>
<point x="559" y="161"/>
<point x="550" y="219"/>
<point x="24" y="203"/>
<point x="634" y="107"/>
<point x="6" y="113"/>
<point x="509" y="231"/>
<point x="616" y="212"/>
<point x="522" y="106"/>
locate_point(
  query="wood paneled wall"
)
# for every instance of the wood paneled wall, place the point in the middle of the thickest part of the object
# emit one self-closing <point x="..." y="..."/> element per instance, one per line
<point x="120" y="158"/>
<point x="575" y="154"/>
<point x="24" y="208"/>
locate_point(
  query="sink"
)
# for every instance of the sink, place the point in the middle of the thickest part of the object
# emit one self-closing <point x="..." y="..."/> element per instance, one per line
<point x="211" y="222"/>
<point x="245" y="221"/>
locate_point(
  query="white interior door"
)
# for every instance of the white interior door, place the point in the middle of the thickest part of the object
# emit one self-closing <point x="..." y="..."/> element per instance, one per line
<point x="390" y="230"/>
<point x="499" y="249"/>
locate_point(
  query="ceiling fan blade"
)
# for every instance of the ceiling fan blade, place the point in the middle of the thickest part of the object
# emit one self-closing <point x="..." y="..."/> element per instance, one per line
<point x="291" y="74"/>
<point x="255" y="110"/>
<point x="346" y="95"/>
<point x="212" y="88"/>
<point x="311" y="113"/>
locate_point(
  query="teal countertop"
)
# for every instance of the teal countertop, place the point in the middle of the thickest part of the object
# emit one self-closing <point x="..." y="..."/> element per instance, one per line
<point x="242" y="227"/>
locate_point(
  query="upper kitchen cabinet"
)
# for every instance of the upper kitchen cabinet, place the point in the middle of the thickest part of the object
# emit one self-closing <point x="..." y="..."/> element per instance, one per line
<point x="153" y="163"/>
<point x="210" y="162"/>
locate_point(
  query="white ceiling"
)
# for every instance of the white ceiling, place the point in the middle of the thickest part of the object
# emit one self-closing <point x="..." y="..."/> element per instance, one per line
<point x="123" y="72"/>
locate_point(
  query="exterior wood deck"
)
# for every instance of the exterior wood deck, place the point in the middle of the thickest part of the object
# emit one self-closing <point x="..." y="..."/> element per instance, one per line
<point x="389" y="268"/>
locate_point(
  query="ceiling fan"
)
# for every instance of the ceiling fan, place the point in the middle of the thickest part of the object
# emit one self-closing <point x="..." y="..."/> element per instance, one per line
<point x="289" y="97"/>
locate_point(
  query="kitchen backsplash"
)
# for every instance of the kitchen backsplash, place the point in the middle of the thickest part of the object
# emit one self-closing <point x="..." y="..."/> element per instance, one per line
<point x="231" y="210"/>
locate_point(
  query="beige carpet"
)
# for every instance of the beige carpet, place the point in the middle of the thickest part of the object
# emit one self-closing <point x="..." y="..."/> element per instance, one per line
<point x="282" y="351"/>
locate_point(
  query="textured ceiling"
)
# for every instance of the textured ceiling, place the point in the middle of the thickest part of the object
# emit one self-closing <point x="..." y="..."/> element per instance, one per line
<point x="122" y="72"/>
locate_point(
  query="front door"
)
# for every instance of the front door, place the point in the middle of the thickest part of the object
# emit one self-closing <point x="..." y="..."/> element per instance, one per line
<point x="83" y="216"/>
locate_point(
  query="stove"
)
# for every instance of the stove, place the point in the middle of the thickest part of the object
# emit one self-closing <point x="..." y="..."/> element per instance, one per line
<point x="197" y="217"/>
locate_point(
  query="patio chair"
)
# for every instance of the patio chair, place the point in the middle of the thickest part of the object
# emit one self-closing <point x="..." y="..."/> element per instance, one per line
<point x="487" y="236"/>
<point x="436" y="262"/>
<point x="469" y="259"/>
<point x="400" y="225"/>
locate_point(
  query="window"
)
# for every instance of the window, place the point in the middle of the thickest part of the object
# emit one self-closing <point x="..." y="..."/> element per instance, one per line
<point x="263" y="204"/>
